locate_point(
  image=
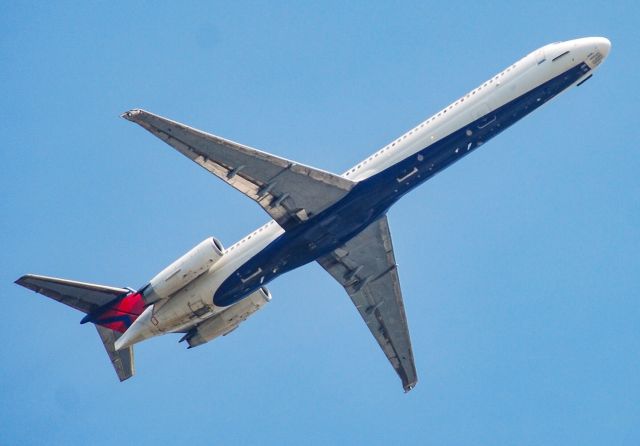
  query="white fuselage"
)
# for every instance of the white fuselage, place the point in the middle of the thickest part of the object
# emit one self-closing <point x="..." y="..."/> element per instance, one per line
<point x="185" y="308"/>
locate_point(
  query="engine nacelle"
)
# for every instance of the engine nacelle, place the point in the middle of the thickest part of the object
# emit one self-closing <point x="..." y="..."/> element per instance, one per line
<point x="177" y="275"/>
<point x="225" y="322"/>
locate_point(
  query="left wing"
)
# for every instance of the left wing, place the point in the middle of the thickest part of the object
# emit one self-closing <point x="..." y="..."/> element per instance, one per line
<point x="288" y="191"/>
<point x="365" y="266"/>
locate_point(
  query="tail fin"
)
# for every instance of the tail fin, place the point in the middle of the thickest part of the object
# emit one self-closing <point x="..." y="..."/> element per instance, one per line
<point x="122" y="360"/>
<point x="112" y="309"/>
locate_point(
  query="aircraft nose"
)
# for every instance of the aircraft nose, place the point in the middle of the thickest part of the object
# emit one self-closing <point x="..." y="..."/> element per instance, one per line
<point x="593" y="50"/>
<point x="603" y="44"/>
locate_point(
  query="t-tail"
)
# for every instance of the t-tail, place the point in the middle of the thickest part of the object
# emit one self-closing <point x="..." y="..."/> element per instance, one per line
<point x="111" y="309"/>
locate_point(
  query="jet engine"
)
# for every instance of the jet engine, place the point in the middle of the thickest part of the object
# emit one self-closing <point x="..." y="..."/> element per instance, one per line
<point x="177" y="275"/>
<point x="225" y="322"/>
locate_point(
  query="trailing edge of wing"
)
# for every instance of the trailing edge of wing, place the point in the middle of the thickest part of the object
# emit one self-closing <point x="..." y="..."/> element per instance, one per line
<point x="365" y="266"/>
<point x="288" y="191"/>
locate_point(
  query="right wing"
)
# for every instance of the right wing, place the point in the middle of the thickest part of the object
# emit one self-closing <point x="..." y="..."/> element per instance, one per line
<point x="290" y="192"/>
<point x="86" y="297"/>
<point x="366" y="267"/>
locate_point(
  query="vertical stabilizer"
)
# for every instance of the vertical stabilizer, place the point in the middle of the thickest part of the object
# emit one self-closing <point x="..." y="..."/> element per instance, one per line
<point x="122" y="360"/>
<point x="115" y="309"/>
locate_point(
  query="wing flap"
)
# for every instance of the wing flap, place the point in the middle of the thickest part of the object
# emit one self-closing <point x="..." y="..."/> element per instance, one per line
<point x="365" y="266"/>
<point x="289" y="192"/>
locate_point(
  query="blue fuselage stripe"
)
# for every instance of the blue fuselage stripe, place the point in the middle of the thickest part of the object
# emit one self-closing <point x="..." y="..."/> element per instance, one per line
<point x="372" y="197"/>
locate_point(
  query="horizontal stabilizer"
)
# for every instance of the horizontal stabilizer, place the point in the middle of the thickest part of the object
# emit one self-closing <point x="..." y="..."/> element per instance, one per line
<point x="107" y="305"/>
<point x="86" y="297"/>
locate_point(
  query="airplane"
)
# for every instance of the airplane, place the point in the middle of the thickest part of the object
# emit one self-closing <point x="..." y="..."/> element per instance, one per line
<point x="338" y="221"/>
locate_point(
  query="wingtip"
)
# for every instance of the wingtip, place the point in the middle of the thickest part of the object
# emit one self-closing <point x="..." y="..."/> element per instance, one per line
<point x="124" y="377"/>
<point x="131" y="115"/>
<point x="22" y="279"/>
<point x="409" y="386"/>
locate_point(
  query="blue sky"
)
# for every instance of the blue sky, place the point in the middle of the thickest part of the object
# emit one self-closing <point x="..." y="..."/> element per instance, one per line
<point x="519" y="265"/>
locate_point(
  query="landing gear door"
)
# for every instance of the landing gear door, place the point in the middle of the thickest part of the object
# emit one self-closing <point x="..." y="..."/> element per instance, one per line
<point x="199" y="308"/>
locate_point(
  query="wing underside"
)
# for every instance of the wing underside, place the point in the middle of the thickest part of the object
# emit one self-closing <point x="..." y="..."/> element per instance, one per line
<point x="289" y="192"/>
<point x="365" y="266"/>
